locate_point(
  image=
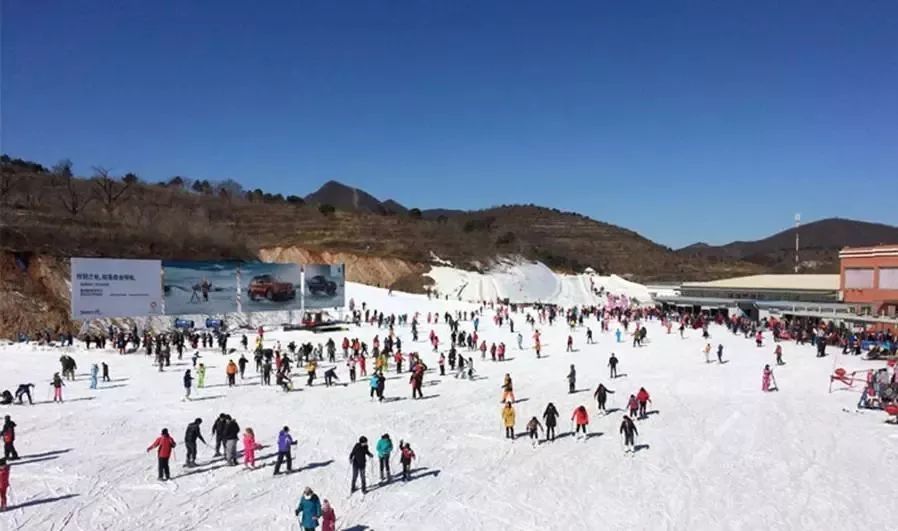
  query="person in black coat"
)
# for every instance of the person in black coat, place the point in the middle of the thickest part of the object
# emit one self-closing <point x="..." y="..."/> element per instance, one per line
<point x="551" y="418"/>
<point x="218" y="428"/>
<point x="231" y="434"/>
<point x="9" y="438"/>
<point x="601" y="396"/>
<point x="190" y="437"/>
<point x="629" y="431"/>
<point x="359" y="458"/>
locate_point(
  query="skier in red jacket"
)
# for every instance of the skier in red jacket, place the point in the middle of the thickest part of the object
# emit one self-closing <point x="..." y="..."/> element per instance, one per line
<point x="643" y="398"/>
<point x="581" y="419"/>
<point x="165" y="444"/>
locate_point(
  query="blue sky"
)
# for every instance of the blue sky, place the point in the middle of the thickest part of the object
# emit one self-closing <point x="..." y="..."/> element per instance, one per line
<point x="684" y="121"/>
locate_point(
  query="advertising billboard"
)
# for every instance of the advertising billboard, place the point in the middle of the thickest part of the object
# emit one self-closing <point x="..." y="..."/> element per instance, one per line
<point x="268" y="287"/>
<point x="111" y="287"/>
<point x="200" y="287"/>
<point x="325" y="286"/>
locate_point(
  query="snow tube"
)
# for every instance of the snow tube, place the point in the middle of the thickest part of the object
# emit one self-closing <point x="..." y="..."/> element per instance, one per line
<point x="840" y="372"/>
<point x="892" y="409"/>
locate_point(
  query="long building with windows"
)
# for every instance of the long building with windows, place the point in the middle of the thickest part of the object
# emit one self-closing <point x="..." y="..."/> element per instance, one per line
<point x="869" y="279"/>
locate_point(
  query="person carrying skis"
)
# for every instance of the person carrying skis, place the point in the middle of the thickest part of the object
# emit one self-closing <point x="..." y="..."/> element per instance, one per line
<point x="190" y="437"/>
<point x="601" y="396"/>
<point x="633" y="405"/>
<point x="508" y="420"/>
<point x="612" y="364"/>
<point x="4" y="483"/>
<point x="571" y="379"/>
<point x="507" y="390"/>
<point x="8" y="434"/>
<point x="643" y="398"/>
<point x="24" y="390"/>
<point x="188" y="384"/>
<point x="629" y="432"/>
<point x="384" y="448"/>
<point x="308" y="510"/>
<point x="358" y="458"/>
<point x="165" y="445"/>
<point x="533" y="427"/>
<point x="406" y="455"/>
<point x="57" y="384"/>
<point x="285" y="444"/>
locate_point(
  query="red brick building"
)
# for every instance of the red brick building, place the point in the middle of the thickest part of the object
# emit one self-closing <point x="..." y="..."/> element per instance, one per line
<point x="869" y="279"/>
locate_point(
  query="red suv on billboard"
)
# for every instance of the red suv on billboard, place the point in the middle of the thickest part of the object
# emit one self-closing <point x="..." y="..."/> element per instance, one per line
<point x="269" y="287"/>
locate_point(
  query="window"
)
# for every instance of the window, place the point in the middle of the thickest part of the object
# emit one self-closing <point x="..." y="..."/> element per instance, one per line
<point x="858" y="278"/>
<point x="888" y="278"/>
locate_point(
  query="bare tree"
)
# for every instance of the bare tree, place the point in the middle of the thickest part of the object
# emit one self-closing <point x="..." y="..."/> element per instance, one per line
<point x="73" y="200"/>
<point x="110" y="189"/>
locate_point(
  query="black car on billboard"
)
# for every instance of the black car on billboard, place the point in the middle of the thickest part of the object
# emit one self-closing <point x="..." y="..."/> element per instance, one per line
<point x="320" y="285"/>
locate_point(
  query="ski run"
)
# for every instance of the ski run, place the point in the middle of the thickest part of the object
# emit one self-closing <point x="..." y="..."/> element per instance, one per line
<point x="713" y="451"/>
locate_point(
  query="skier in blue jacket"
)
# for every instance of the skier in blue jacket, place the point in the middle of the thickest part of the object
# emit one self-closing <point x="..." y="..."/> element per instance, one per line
<point x="308" y="510"/>
<point x="285" y="441"/>
<point x="384" y="448"/>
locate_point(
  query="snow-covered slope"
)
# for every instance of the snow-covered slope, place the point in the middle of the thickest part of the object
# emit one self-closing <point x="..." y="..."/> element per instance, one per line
<point x="523" y="281"/>
<point x="716" y="453"/>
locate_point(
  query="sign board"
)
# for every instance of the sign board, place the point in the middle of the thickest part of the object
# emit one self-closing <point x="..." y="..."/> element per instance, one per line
<point x="111" y="287"/>
<point x="324" y="286"/>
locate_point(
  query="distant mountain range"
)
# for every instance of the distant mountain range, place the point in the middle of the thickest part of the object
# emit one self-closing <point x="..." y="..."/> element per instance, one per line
<point x="819" y="245"/>
<point x="349" y="199"/>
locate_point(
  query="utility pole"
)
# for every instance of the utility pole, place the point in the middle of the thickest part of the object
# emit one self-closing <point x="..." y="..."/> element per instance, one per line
<point x="797" y="224"/>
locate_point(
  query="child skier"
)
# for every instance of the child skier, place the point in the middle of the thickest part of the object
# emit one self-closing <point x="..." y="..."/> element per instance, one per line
<point x="633" y="405"/>
<point x="57" y="384"/>
<point x="249" y="448"/>
<point x="533" y="427"/>
<point x="766" y="378"/>
<point x="406" y="456"/>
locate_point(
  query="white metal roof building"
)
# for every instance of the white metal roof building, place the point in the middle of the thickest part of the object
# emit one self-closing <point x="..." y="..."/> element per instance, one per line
<point x="790" y="287"/>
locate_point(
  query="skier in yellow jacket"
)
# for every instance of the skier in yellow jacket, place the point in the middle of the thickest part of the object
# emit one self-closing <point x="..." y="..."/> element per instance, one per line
<point x="508" y="420"/>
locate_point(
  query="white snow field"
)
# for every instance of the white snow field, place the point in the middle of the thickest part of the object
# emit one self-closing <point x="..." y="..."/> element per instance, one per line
<point x="718" y="454"/>
<point x="524" y="281"/>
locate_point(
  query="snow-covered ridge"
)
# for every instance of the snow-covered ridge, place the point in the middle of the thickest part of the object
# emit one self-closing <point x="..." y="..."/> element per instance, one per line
<point x="524" y="281"/>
